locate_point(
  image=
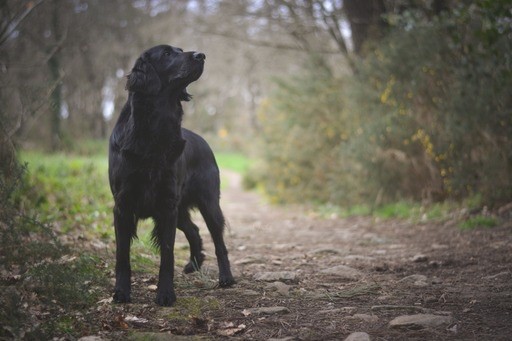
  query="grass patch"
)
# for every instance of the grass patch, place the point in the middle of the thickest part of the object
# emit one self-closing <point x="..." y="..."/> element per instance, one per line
<point x="401" y="210"/>
<point x="329" y="210"/>
<point x="69" y="282"/>
<point x="69" y="191"/>
<point x="233" y="161"/>
<point x="479" y="221"/>
<point x="188" y="307"/>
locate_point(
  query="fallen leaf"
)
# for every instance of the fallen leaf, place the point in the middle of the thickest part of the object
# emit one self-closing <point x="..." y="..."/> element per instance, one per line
<point x="105" y="301"/>
<point x="135" y="319"/>
<point x="120" y="323"/>
<point x="229" y="329"/>
<point x="246" y="312"/>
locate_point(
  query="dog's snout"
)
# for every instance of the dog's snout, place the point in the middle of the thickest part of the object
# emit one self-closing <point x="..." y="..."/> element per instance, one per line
<point x="199" y="56"/>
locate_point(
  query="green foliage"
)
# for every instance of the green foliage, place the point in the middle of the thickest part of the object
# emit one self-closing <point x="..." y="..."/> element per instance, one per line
<point x="70" y="282"/>
<point x="18" y="227"/>
<point x="233" y="161"/>
<point x="41" y="270"/>
<point x="426" y="118"/>
<point x="70" y="190"/>
<point x="479" y="221"/>
<point x="441" y="113"/>
<point x="400" y="209"/>
<point x="305" y="128"/>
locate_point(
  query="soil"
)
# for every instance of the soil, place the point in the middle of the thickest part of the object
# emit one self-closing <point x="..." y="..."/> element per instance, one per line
<point x="395" y="268"/>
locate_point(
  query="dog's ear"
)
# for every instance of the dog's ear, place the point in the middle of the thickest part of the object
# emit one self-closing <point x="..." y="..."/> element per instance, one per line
<point x="185" y="96"/>
<point x="143" y="78"/>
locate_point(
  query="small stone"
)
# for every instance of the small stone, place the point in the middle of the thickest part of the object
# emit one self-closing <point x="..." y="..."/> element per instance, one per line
<point x="343" y="310"/>
<point x="358" y="336"/>
<point x="280" y="287"/>
<point x="250" y="292"/>
<point x="276" y="276"/>
<point x="249" y="260"/>
<point x="420" y="321"/>
<point x="343" y="272"/>
<point x="434" y="263"/>
<point x="152" y="287"/>
<point x="365" y="317"/>
<point x="436" y="280"/>
<point x="325" y="251"/>
<point x="416" y="280"/>
<point x="419" y="258"/>
<point x="359" y="258"/>
<point x="268" y="310"/>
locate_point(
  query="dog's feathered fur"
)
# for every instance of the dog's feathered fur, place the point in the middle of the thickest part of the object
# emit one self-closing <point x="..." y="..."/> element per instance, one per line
<point x="160" y="170"/>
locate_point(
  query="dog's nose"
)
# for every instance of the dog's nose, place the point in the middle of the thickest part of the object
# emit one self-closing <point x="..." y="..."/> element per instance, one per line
<point x="199" y="56"/>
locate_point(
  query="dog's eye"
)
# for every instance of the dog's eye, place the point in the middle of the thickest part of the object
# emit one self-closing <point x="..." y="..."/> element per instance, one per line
<point x="167" y="53"/>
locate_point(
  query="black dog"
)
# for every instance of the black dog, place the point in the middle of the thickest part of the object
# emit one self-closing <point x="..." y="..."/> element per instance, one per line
<point x="158" y="169"/>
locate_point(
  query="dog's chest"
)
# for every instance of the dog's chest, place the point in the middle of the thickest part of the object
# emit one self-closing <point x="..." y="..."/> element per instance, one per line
<point x="156" y="189"/>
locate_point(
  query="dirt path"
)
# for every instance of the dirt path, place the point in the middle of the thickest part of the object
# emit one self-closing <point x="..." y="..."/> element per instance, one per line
<point x="301" y="277"/>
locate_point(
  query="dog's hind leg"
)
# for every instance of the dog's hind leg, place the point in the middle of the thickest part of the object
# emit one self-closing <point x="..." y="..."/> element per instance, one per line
<point x="191" y="232"/>
<point x="212" y="214"/>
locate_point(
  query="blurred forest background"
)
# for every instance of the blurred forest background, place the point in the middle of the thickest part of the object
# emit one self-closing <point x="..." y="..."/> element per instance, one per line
<point x="339" y="102"/>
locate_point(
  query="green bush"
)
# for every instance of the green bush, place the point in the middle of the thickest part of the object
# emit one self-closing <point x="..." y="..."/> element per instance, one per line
<point x="304" y="128"/>
<point x="426" y="117"/>
<point x="38" y="270"/>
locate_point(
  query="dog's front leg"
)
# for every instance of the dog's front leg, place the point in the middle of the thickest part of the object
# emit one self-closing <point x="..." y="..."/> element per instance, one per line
<point x="125" y="226"/>
<point x="165" y="233"/>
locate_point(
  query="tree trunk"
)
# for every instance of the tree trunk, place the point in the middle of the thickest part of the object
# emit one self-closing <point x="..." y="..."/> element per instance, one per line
<point x="366" y="22"/>
<point x="56" y="95"/>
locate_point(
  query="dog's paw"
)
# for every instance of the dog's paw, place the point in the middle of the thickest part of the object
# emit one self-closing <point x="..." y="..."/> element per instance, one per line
<point x="194" y="265"/>
<point x="189" y="268"/>
<point x="121" y="296"/>
<point x="226" y="281"/>
<point x="165" y="298"/>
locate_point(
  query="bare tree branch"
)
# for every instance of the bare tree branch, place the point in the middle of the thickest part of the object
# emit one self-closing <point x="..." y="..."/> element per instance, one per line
<point x="12" y="24"/>
<point x="263" y="43"/>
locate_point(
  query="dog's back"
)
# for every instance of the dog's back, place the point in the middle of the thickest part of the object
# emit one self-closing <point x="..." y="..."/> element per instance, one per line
<point x="200" y="174"/>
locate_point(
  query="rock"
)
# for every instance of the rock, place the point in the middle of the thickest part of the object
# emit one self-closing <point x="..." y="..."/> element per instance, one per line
<point x="266" y="311"/>
<point x="385" y="307"/>
<point x="280" y="287"/>
<point x="359" y="258"/>
<point x="416" y="280"/>
<point x="325" y="251"/>
<point x="420" y="321"/>
<point x="90" y="338"/>
<point x="419" y="258"/>
<point x="152" y="287"/>
<point x="249" y="260"/>
<point x="343" y="310"/>
<point x="249" y="292"/>
<point x="344" y="272"/>
<point x="276" y="276"/>
<point x="358" y="336"/>
<point x="365" y="317"/>
<point x="436" y="280"/>
<point x="164" y="336"/>
<point x="501" y="275"/>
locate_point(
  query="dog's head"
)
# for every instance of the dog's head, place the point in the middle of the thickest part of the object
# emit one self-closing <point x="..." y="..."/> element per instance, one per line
<point x="165" y="67"/>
